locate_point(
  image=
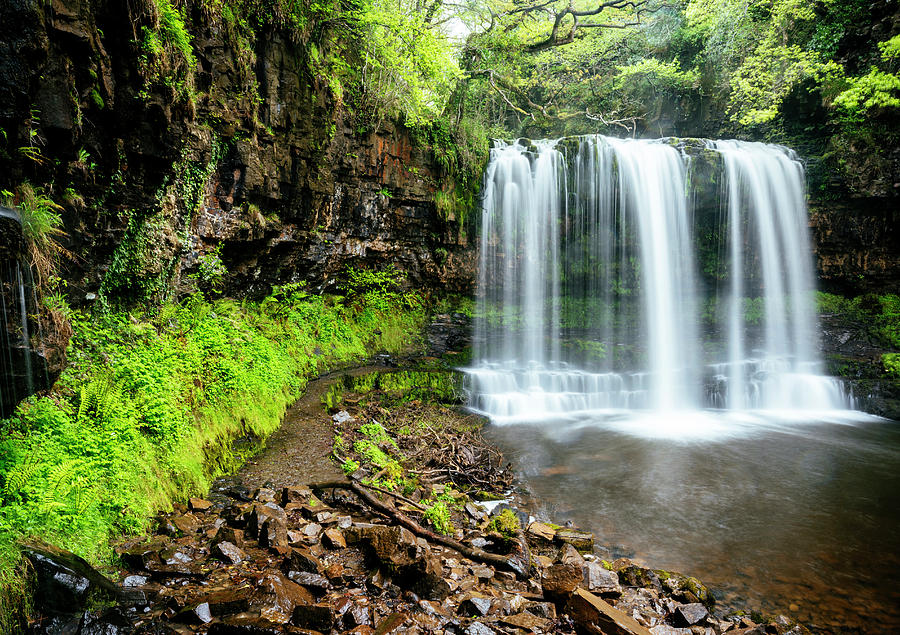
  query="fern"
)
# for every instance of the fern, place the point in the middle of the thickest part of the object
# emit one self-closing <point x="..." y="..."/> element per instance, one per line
<point x="17" y="478"/>
<point x="60" y="482"/>
<point x="84" y="498"/>
<point x="97" y="400"/>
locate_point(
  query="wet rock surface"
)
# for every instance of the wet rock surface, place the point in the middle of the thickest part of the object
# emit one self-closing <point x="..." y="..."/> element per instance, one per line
<point x="308" y="558"/>
<point x="374" y="583"/>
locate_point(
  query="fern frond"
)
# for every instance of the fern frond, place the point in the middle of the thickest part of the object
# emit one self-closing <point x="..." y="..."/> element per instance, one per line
<point x="17" y="478"/>
<point x="60" y="479"/>
<point x="97" y="400"/>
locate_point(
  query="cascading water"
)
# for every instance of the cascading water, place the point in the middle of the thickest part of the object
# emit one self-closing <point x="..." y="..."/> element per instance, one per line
<point x="606" y="286"/>
<point x="22" y="370"/>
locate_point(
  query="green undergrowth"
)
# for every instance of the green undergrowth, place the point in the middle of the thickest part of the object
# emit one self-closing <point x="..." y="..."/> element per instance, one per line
<point x="414" y="408"/>
<point x="397" y="387"/>
<point x="506" y="524"/>
<point x="150" y="404"/>
<point x="878" y="314"/>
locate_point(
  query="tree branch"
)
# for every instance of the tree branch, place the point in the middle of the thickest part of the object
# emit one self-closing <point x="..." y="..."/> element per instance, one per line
<point x="478" y="555"/>
<point x="558" y="38"/>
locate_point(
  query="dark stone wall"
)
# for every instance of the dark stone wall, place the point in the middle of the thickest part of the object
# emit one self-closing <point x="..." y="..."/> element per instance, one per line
<point x="857" y="245"/>
<point x="298" y="191"/>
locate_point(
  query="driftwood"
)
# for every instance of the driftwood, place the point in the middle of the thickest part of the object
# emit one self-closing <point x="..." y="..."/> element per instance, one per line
<point x="511" y="564"/>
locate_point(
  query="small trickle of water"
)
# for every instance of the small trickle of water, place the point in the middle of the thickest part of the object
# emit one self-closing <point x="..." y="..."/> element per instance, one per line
<point x="20" y="374"/>
<point x="591" y="297"/>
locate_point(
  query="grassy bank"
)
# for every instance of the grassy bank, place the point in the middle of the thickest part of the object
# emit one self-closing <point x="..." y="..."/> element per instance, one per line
<point x="148" y="408"/>
<point x="878" y="316"/>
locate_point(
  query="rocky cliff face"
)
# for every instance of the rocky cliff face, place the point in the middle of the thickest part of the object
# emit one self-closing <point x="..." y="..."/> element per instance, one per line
<point x="856" y="246"/>
<point x="250" y="159"/>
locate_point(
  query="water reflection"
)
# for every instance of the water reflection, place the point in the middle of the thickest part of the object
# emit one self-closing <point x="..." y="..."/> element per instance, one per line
<point x="794" y="514"/>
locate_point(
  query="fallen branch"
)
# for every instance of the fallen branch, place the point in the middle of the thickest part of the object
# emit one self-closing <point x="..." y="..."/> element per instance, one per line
<point x="473" y="554"/>
<point x="378" y="489"/>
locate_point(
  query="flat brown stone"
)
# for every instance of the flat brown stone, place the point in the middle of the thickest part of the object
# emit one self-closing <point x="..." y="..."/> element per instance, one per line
<point x="527" y="621"/>
<point x="199" y="505"/>
<point x="541" y="530"/>
<point x="561" y="579"/>
<point x="596" y="616"/>
<point x="186" y="524"/>
<point x="391" y="624"/>
<point x="335" y="539"/>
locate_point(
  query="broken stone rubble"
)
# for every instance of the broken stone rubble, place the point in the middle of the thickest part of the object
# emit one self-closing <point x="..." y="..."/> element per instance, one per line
<point x="267" y="566"/>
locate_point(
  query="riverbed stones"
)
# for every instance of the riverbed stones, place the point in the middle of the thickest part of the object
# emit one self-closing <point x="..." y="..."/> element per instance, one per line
<point x="341" y="417"/>
<point x="228" y="552"/>
<point x="541" y="530"/>
<point x="595" y="615"/>
<point x="559" y="580"/>
<point x="301" y="559"/>
<point x="371" y="577"/>
<point x="393" y="546"/>
<point x="143" y="555"/>
<point x="633" y="575"/>
<point x="281" y="597"/>
<point x="546" y="610"/>
<point x="319" y="617"/>
<point x="684" y="588"/>
<point x="228" y="601"/>
<point x="274" y="533"/>
<point x="598" y="579"/>
<point x="229" y="534"/>
<point x="479" y="628"/>
<point x="690" y="614"/>
<point x="264" y="495"/>
<point x="260" y="513"/>
<point x="186" y="524"/>
<point x="475" y="606"/>
<point x="63" y="581"/>
<point x="334" y="539"/>
<point x="199" y="505"/>
<point x="569" y="555"/>
<point x="195" y="614"/>
<point x="299" y="494"/>
<point x="312" y="530"/>
<point x="528" y="622"/>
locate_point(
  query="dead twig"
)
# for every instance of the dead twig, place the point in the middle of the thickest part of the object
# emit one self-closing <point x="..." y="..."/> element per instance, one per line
<point x="478" y="555"/>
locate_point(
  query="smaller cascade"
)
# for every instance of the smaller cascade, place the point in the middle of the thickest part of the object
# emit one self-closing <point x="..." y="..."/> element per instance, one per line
<point x="22" y="370"/>
<point x="770" y="259"/>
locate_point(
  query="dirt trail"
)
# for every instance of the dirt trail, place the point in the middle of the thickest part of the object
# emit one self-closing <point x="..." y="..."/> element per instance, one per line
<point x="298" y="452"/>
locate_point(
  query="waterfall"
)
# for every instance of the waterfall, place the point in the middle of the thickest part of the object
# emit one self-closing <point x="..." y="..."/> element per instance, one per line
<point x="22" y="369"/>
<point x="592" y="297"/>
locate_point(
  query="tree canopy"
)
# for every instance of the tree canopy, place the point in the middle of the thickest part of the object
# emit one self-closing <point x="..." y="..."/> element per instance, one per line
<point x="822" y="73"/>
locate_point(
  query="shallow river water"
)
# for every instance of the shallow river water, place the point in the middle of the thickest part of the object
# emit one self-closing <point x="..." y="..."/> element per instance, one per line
<point x="784" y="517"/>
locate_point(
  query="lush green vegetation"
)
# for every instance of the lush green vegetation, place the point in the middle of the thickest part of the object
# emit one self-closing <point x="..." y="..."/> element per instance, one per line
<point x="878" y="314"/>
<point x="146" y="412"/>
<point x="41" y="222"/>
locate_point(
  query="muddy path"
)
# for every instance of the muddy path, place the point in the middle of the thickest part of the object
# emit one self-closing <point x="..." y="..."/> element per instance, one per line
<point x="299" y="451"/>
